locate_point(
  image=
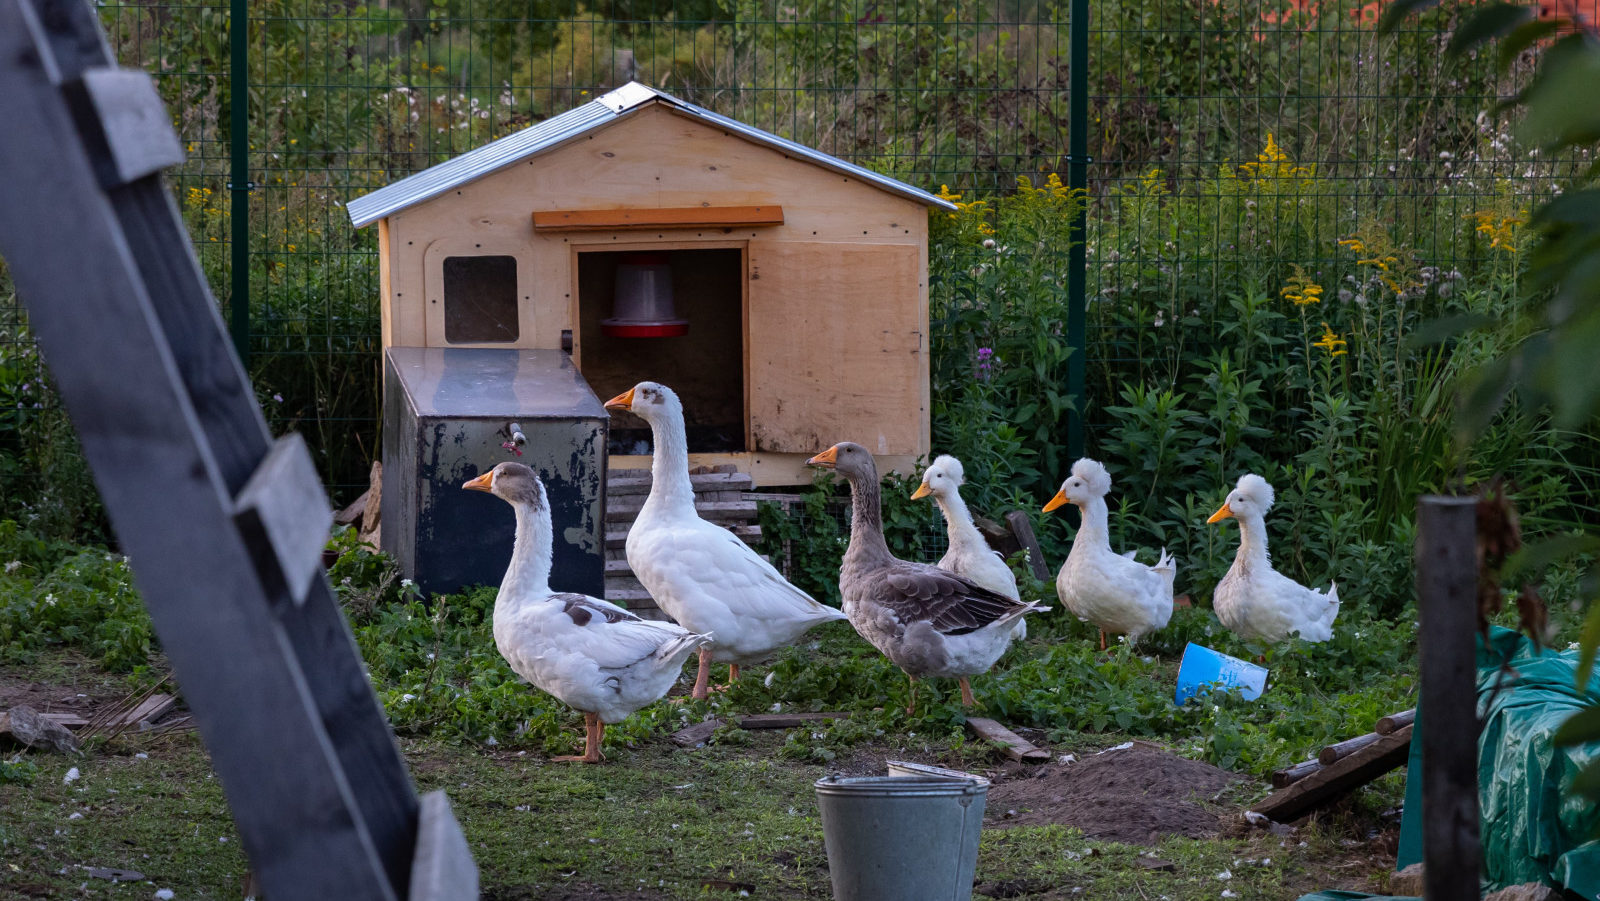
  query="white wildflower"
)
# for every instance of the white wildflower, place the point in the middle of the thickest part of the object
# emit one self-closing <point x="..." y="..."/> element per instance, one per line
<point x="13" y="566"/>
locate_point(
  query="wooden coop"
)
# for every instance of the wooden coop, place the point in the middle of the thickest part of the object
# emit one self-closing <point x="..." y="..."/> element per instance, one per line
<point x="782" y="292"/>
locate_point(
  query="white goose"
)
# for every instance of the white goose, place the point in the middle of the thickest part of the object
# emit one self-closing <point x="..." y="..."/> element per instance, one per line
<point x="592" y="655"/>
<point x="927" y="621"/>
<point x="969" y="555"/>
<point x="1117" y="593"/>
<point x="1255" y="600"/>
<point x="698" y="572"/>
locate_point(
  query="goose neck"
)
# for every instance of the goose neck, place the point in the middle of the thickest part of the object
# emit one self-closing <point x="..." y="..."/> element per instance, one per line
<point x="528" y="576"/>
<point x="1095" y="526"/>
<point x="1252" y="540"/>
<point x="866" y="521"/>
<point x="958" y="521"/>
<point x="670" y="485"/>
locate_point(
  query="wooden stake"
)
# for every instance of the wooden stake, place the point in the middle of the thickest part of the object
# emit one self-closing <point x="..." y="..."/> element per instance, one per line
<point x="1335" y="752"/>
<point x="1447" y="616"/>
<point x="1011" y="744"/>
<point x="1394" y="721"/>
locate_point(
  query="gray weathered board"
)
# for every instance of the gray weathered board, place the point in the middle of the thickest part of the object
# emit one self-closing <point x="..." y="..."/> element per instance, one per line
<point x="212" y="514"/>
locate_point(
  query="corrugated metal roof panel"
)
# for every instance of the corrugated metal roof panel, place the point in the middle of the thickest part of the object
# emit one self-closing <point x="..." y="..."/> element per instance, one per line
<point x="542" y="136"/>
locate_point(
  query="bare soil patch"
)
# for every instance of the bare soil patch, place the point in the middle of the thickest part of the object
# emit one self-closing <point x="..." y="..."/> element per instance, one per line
<point x="577" y="891"/>
<point x="1136" y="795"/>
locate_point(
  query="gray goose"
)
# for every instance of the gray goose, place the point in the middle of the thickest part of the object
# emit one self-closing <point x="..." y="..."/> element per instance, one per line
<point x="926" y="621"/>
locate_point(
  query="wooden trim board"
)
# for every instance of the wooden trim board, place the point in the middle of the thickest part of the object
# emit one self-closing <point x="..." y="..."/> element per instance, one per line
<point x="668" y="217"/>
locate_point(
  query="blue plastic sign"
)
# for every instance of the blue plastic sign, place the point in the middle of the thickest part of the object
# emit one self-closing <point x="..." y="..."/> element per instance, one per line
<point x="1203" y="668"/>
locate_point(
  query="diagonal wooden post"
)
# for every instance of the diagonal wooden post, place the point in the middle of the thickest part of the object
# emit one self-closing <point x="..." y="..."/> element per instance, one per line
<point x="222" y="525"/>
<point x="1447" y="616"/>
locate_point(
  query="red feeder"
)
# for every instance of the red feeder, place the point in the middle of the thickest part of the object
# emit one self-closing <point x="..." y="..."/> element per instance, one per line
<point x="642" y="306"/>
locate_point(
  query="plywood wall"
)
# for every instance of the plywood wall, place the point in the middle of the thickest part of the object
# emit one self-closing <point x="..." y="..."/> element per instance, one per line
<point x="836" y="340"/>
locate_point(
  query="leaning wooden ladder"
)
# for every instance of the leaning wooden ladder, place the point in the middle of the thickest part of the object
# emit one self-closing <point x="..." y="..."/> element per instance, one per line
<point x="223" y="526"/>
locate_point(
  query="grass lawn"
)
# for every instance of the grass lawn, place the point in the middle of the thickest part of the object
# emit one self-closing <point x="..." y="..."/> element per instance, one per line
<point x="654" y="822"/>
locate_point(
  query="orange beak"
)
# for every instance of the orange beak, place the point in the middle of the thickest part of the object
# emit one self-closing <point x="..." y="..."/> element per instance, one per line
<point x="828" y="458"/>
<point x="922" y="491"/>
<point x="623" y="401"/>
<point x="1220" y="515"/>
<point x="1057" y="501"/>
<point x="481" y="483"/>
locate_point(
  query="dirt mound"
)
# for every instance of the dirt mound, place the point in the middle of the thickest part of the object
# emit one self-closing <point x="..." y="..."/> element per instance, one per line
<point x="1132" y="794"/>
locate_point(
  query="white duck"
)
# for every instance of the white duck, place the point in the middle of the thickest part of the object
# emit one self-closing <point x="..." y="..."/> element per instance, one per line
<point x="1117" y="593"/>
<point x="927" y="621"/>
<point x="698" y="572"/>
<point x="590" y="654"/>
<point x="1255" y="600"/>
<point x="969" y="555"/>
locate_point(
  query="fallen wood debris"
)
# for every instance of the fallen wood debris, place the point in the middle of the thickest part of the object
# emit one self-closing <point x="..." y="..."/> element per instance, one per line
<point x="1011" y="744"/>
<point x="1336" y="752"/>
<point x="1330" y="782"/>
<point x="1292" y="774"/>
<point x="697" y="734"/>
<point x="1394" y="721"/>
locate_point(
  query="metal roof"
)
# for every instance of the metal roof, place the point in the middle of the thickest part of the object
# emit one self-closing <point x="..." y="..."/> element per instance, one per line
<point x="542" y="136"/>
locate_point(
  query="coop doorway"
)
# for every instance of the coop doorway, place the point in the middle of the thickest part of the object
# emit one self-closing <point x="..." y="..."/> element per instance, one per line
<point x="705" y="366"/>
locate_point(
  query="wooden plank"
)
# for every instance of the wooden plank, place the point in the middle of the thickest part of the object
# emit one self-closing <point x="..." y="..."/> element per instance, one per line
<point x="665" y="217"/>
<point x="770" y="470"/>
<point x="1332" y="782"/>
<point x="1395" y="720"/>
<point x="1022" y="527"/>
<point x="785" y="720"/>
<point x="1289" y="775"/>
<point x="285" y="517"/>
<point x="1012" y="745"/>
<point x="817" y="376"/>
<point x="630" y="485"/>
<point x="717" y="511"/>
<point x="442" y="868"/>
<point x="1338" y="751"/>
<point x="147" y="712"/>
<point x="696" y="735"/>
<point x="171" y="431"/>
<point x="617" y="534"/>
<point x="1447" y="617"/>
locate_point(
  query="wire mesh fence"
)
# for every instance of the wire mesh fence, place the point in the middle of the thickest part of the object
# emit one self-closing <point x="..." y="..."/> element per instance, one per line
<point x="1230" y="141"/>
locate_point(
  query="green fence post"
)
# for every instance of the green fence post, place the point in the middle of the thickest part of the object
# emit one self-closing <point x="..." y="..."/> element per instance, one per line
<point x="239" y="177"/>
<point x="1078" y="182"/>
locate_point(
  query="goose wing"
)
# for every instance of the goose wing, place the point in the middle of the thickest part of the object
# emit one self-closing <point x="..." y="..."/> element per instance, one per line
<point x="916" y="592"/>
<point x="605" y="633"/>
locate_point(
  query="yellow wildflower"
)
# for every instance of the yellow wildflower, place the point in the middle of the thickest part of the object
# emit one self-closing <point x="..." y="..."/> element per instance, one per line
<point x="1331" y="342"/>
<point x="1301" y="290"/>
<point x="1501" y="230"/>
<point x="1274" y="163"/>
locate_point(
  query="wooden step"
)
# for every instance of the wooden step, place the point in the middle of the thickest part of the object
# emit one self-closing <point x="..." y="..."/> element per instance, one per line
<point x="625" y="510"/>
<point x="617" y="538"/>
<point x="624" y="582"/>
<point x="628" y="485"/>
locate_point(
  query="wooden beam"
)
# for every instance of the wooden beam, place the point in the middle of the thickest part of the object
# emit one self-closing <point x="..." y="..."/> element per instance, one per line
<point x="1447" y="617"/>
<point x="1331" y="782"/>
<point x="1289" y="775"/>
<point x="1336" y="752"/>
<point x="1395" y="720"/>
<point x="1011" y="744"/>
<point x="667" y="217"/>
<point x="1022" y="527"/>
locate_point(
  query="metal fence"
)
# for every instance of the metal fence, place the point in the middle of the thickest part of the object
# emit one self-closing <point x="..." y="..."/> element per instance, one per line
<point x="1182" y="98"/>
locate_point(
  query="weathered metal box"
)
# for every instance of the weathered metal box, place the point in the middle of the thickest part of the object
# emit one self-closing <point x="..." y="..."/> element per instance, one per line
<point x="448" y="415"/>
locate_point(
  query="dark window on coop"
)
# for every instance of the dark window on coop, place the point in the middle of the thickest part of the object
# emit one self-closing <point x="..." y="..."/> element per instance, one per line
<point x="480" y="299"/>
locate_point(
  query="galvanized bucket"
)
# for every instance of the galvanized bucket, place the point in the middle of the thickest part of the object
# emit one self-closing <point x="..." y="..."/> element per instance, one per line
<point x="901" y="838"/>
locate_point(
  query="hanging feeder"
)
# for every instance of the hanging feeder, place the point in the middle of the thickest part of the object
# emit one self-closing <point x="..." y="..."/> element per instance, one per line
<point x="642" y="304"/>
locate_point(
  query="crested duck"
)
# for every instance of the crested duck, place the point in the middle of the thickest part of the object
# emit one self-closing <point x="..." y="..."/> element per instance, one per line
<point x="1115" y="592"/>
<point x="590" y="654"/>
<point x="927" y="621"/>
<point x="1253" y="599"/>
<point x="699" y="573"/>
<point x="969" y="555"/>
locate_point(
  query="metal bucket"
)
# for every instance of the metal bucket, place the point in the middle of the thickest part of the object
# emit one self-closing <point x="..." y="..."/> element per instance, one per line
<point x="901" y="838"/>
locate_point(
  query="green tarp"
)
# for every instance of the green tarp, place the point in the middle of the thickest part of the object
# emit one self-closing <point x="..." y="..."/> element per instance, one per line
<point x="1533" y="828"/>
